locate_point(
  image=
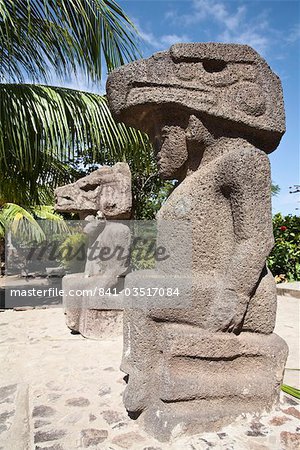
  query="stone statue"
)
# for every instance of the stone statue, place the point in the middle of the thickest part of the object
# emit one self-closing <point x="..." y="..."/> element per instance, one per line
<point x="213" y="112"/>
<point x="102" y="200"/>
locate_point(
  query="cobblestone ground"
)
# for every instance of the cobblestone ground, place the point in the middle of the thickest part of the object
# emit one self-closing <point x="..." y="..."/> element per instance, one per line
<point x="59" y="391"/>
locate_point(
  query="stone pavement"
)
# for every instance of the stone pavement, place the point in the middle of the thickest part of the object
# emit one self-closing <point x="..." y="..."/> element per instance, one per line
<point x="59" y="391"/>
<point x="288" y="327"/>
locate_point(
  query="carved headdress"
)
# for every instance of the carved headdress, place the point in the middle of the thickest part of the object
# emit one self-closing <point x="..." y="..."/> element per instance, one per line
<point x="223" y="83"/>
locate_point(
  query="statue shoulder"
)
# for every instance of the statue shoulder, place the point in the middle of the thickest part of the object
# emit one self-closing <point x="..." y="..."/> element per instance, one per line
<point x="243" y="159"/>
<point x="246" y="153"/>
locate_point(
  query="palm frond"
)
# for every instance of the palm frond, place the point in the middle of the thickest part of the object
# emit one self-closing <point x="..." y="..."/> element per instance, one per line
<point x="291" y="391"/>
<point x="2" y="226"/>
<point x="32" y="224"/>
<point x="25" y="187"/>
<point x="21" y="223"/>
<point x="42" y="126"/>
<point x="50" y="221"/>
<point x="67" y="34"/>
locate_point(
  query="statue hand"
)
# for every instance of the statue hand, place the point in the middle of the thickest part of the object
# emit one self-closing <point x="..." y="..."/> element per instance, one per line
<point x="234" y="306"/>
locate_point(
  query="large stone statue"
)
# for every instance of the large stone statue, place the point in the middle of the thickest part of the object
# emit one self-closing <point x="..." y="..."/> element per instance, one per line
<point x="213" y="112"/>
<point x="102" y="200"/>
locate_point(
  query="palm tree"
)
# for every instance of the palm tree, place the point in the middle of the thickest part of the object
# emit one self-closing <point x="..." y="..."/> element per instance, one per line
<point x="37" y="35"/>
<point x="42" y="127"/>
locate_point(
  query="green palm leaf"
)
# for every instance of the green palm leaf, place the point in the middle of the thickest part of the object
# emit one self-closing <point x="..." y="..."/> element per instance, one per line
<point x="32" y="224"/>
<point x="27" y="187"/>
<point x="291" y="391"/>
<point x="42" y="127"/>
<point x="21" y="222"/>
<point x="2" y="226"/>
<point x="65" y="35"/>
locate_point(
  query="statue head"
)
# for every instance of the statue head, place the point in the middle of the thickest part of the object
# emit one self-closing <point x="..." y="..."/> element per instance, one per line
<point x="196" y="90"/>
<point x="105" y="192"/>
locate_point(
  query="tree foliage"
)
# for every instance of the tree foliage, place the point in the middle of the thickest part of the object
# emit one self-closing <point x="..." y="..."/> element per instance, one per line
<point x="42" y="127"/>
<point x="65" y="35"/>
<point x="275" y="189"/>
<point x="284" y="261"/>
<point x="26" y="223"/>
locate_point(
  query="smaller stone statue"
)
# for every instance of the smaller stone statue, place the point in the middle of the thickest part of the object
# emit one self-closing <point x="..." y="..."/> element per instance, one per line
<point x="102" y="199"/>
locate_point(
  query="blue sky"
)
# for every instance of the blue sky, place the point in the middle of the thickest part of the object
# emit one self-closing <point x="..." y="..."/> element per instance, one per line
<point x="271" y="27"/>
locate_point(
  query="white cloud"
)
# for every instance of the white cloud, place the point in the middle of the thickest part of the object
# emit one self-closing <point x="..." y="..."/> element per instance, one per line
<point x="249" y="37"/>
<point x="294" y="35"/>
<point x="171" y="14"/>
<point x="161" y="42"/>
<point x="79" y="82"/>
<point x="212" y="9"/>
<point x="170" y="39"/>
<point x="234" y="25"/>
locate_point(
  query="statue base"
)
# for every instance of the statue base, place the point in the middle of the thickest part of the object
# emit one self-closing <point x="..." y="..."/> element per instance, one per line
<point x="87" y="314"/>
<point x="204" y="380"/>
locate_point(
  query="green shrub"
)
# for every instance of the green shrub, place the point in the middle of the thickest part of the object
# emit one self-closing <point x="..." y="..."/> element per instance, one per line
<point x="284" y="261"/>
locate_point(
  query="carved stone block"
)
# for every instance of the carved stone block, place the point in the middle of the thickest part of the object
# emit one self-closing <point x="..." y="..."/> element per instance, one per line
<point x="213" y="112"/>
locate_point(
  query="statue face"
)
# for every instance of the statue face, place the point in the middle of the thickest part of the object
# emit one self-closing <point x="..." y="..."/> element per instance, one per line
<point x="171" y="151"/>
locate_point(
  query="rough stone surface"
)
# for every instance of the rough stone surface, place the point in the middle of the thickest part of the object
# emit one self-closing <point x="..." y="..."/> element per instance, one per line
<point x="43" y="411"/>
<point x="100" y="198"/>
<point x="5" y="419"/>
<point x="80" y="401"/>
<point x="52" y="447"/>
<point x="112" y="417"/>
<point x="41" y="423"/>
<point x="6" y="392"/>
<point x="105" y="390"/>
<point x="128" y="440"/>
<point x="46" y="359"/>
<point x="293" y="412"/>
<point x="107" y="189"/>
<point x="212" y="111"/>
<point x="230" y="83"/>
<point x="290" y="441"/>
<point x="51" y="435"/>
<point x="93" y="436"/>
<point x="279" y="420"/>
<point x="152" y="448"/>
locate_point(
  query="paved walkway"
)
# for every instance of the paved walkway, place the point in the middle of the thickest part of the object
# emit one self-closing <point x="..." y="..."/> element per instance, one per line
<point x="59" y="391"/>
<point x="290" y="289"/>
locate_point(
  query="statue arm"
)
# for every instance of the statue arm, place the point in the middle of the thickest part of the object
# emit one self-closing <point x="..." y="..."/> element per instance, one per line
<point x="250" y="196"/>
<point x="248" y="183"/>
<point x="118" y="265"/>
